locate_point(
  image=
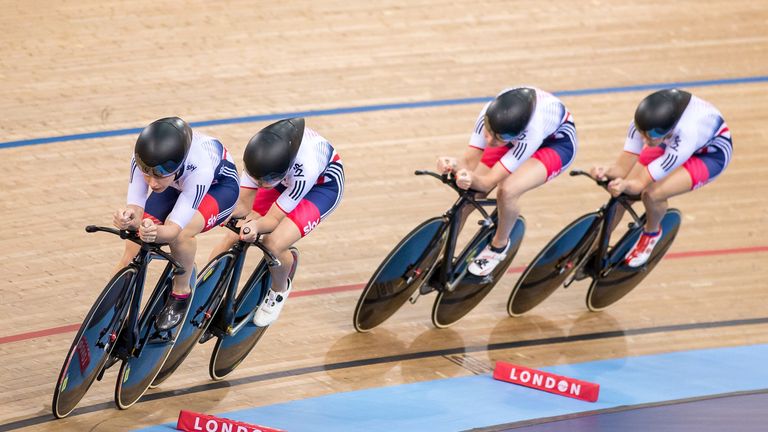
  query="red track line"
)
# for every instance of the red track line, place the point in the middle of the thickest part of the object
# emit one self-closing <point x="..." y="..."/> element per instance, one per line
<point x="39" y="333"/>
<point x="354" y="287"/>
<point x="690" y="254"/>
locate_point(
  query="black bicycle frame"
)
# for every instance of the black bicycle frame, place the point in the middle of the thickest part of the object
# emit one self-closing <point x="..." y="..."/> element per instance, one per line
<point x="225" y="318"/>
<point x="130" y="342"/>
<point x="607" y="213"/>
<point x="452" y="222"/>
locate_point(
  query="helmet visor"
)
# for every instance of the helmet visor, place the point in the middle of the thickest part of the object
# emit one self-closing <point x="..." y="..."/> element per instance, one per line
<point x="655" y="133"/>
<point x="165" y="169"/>
<point x="269" y="181"/>
<point x="499" y="136"/>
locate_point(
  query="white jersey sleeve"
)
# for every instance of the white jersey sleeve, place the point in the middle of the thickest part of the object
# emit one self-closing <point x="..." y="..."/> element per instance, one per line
<point x="477" y="140"/>
<point x="137" y="187"/>
<point x="246" y="181"/>
<point x="311" y="162"/>
<point x="634" y="142"/>
<point x="193" y="190"/>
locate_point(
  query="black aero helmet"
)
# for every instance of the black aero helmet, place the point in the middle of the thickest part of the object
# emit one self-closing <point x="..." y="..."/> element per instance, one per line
<point x="271" y="152"/>
<point x="163" y="146"/>
<point x="659" y="112"/>
<point x="508" y="115"/>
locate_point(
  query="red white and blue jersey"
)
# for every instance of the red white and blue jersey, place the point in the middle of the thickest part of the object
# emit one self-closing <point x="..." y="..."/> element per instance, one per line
<point x="316" y="163"/>
<point x="207" y="163"/>
<point x="700" y="130"/>
<point x="550" y="120"/>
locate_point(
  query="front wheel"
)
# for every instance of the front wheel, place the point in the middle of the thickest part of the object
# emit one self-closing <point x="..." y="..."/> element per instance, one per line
<point x="140" y="368"/>
<point x="608" y="289"/>
<point x="400" y="274"/>
<point x="450" y="306"/>
<point x="553" y="264"/>
<point x="93" y="343"/>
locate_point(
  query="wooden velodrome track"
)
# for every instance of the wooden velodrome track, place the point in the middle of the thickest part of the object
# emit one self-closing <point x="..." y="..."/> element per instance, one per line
<point x="89" y="66"/>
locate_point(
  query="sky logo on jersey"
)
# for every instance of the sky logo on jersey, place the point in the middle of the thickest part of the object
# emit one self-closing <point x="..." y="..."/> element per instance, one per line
<point x="310" y="226"/>
<point x="191" y="167"/>
<point x="211" y="221"/>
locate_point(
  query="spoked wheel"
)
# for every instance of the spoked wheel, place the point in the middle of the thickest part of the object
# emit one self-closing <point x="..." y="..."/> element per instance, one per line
<point x="93" y="343"/>
<point x="201" y="312"/>
<point x="231" y="350"/>
<point x="552" y="265"/>
<point x="450" y="306"/>
<point x="608" y="289"/>
<point x="139" y="370"/>
<point x="400" y="275"/>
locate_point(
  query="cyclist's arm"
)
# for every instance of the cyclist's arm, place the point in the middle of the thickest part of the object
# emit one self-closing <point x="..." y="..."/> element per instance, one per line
<point x="271" y="220"/>
<point x="486" y="182"/>
<point x="244" y="202"/>
<point x="637" y="182"/>
<point x="633" y="146"/>
<point x="477" y="144"/>
<point x="622" y="166"/>
<point x="194" y="190"/>
<point x="137" y="188"/>
<point x="137" y="196"/>
<point x="470" y="159"/>
<point x="167" y="232"/>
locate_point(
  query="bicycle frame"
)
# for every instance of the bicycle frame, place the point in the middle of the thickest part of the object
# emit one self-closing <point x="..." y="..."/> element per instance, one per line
<point x="132" y="340"/>
<point x="224" y="321"/>
<point x="452" y="223"/>
<point x="605" y="222"/>
<point x="129" y="342"/>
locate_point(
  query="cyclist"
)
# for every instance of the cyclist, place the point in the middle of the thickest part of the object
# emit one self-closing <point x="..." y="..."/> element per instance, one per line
<point x="676" y="143"/>
<point x="522" y="138"/>
<point x="193" y="185"/>
<point x="293" y="180"/>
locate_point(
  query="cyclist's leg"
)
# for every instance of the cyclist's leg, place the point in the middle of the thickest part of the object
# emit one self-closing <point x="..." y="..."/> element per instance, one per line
<point x="215" y="208"/>
<point x="553" y="157"/>
<point x="481" y="170"/>
<point x="131" y="249"/>
<point x="656" y="196"/>
<point x="183" y="249"/>
<point x="315" y="207"/>
<point x="491" y="155"/>
<point x="696" y="172"/>
<point x="531" y="174"/>
<point x="278" y="242"/>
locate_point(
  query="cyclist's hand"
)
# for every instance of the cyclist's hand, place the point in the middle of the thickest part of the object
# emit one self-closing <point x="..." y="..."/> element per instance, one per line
<point x="464" y="179"/>
<point x="598" y="172"/>
<point x="446" y="164"/>
<point x="124" y="219"/>
<point x="148" y="231"/>
<point x="617" y="186"/>
<point x="248" y="232"/>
